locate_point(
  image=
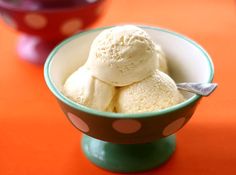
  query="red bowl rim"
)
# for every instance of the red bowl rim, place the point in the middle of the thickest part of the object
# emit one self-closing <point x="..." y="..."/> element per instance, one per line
<point x="11" y="7"/>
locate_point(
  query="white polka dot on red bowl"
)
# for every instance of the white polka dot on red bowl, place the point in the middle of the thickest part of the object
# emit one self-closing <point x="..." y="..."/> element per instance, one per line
<point x="126" y="126"/>
<point x="78" y="122"/>
<point x="173" y="127"/>
<point x="35" y="21"/>
<point x="99" y="10"/>
<point x="71" y="26"/>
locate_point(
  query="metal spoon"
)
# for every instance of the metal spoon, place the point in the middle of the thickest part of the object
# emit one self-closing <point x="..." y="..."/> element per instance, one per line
<point x="203" y="89"/>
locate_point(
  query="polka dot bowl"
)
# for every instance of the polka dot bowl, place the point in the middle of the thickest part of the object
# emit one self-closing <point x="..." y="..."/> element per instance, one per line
<point x="116" y="137"/>
<point x="45" y="23"/>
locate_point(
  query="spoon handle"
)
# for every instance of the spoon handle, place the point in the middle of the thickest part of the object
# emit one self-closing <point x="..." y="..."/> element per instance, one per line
<point x="203" y="89"/>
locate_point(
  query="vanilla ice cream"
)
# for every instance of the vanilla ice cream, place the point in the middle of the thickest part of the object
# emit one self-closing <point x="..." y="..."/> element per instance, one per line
<point x="86" y="90"/>
<point x="154" y="93"/>
<point x="123" y="74"/>
<point x="161" y="60"/>
<point x="123" y="55"/>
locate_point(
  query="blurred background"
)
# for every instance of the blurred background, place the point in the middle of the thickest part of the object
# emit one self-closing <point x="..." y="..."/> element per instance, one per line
<point x="35" y="136"/>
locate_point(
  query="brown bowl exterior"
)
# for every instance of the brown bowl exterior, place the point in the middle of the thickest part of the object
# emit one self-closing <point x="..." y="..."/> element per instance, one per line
<point x="129" y="130"/>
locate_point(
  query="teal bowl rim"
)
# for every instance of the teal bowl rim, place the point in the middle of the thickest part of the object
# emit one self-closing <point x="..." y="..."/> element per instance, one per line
<point x="88" y="110"/>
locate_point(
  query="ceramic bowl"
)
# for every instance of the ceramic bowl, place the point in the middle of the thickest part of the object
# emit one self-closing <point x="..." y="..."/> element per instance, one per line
<point x="44" y="23"/>
<point x="113" y="138"/>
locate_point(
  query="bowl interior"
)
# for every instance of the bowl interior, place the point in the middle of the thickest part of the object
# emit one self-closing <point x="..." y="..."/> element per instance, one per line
<point x="187" y="61"/>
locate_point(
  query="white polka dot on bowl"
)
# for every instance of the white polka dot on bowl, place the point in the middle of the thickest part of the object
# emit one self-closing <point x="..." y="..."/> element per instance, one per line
<point x="71" y="26"/>
<point x="99" y="10"/>
<point x="78" y="122"/>
<point x="173" y="127"/>
<point x="35" y="21"/>
<point x="126" y="126"/>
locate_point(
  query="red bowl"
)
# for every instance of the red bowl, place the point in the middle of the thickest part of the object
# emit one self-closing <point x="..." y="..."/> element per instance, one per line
<point x="49" y="20"/>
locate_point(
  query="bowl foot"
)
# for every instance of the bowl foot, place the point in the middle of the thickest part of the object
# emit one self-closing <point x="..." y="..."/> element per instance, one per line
<point x="128" y="157"/>
<point x="34" y="49"/>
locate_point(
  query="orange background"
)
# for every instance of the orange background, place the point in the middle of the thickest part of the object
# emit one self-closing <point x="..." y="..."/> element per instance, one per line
<point x="36" y="138"/>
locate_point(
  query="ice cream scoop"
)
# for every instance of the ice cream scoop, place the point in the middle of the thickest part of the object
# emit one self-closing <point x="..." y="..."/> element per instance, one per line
<point x="162" y="64"/>
<point x="154" y="93"/>
<point x="123" y="55"/>
<point x="86" y="90"/>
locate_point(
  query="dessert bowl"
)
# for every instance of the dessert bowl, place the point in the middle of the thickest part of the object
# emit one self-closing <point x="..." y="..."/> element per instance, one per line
<point x="138" y="141"/>
<point x="45" y="23"/>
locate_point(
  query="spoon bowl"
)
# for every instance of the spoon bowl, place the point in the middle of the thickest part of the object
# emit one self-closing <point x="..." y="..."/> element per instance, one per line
<point x="204" y="89"/>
